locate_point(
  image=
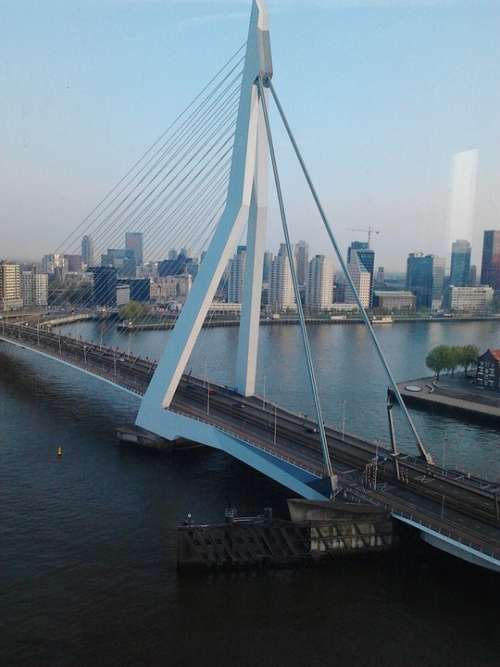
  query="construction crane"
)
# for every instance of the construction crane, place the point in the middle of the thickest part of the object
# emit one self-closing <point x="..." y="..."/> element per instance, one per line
<point x="368" y="230"/>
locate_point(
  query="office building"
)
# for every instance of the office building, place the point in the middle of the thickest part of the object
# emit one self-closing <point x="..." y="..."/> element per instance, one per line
<point x="267" y="266"/>
<point x="281" y="295"/>
<point x="104" y="289"/>
<point x="460" y="263"/>
<point x="73" y="263"/>
<point x="319" y="290"/>
<point x="468" y="299"/>
<point x="171" y="288"/>
<point x="367" y="259"/>
<point x="362" y="280"/>
<point x="490" y="265"/>
<point x="122" y="260"/>
<point x="134" y="242"/>
<point x="425" y="279"/>
<point x="88" y="251"/>
<point x="301" y="254"/>
<point x="34" y="288"/>
<point x="237" y="275"/>
<point x="396" y="300"/>
<point x="11" y="296"/>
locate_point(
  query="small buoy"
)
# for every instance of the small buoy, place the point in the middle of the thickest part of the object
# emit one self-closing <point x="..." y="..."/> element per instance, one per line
<point x="59" y="451"/>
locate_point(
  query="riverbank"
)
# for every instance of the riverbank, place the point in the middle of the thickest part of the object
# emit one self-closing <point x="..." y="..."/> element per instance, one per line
<point x="459" y="396"/>
<point x="167" y="324"/>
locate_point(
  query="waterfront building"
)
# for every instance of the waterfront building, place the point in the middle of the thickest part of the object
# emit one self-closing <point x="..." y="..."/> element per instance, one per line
<point x="319" y="290"/>
<point x="301" y="254"/>
<point x="468" y="299"/>
<point x="425" y="278"/>
<point x="281" y="296"/>
<point x="460" y="263"/>
<point x="362" y="280"/>
<point x="105" y="282"/>
<point x="267" y="266"/>
<point x="366" y="257"/>
<point x="171" y="288"/>
<point x="11" y="296"/>
<point x="140" y="288"/>
<point x="34" y="288"/>
<point x="473" y="276"/>
<point x="490" y="265"/>
<point x="122" y="295"/>
<point x="88" y="251"/>
<point x="397" y="300"/>
<point x="380" y="277"/>
<point x="134" y="242"/>
<point x="488" y="370"/>
<point x="237" y="275"/>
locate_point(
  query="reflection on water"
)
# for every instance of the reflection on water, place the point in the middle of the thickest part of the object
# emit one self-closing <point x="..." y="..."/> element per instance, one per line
<point x="87" y="541"/>
<point x="351" y="379"/>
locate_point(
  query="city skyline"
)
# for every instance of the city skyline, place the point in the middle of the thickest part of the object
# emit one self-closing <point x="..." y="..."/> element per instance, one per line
<point x="364" y="176"/>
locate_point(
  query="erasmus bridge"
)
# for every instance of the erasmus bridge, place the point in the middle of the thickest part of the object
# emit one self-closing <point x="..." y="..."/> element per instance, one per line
<point x="205" y="181"/>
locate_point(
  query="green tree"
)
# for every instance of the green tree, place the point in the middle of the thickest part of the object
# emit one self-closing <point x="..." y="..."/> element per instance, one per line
<point x="133" y="310"/>
<point x="470" y="354"/>
<point x="455" y="358"/>
<point x="438" y="359"/>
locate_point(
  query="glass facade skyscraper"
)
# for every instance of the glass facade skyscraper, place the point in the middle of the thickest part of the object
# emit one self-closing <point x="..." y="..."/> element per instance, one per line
<point x="460" y="263"/>
<point x="490" y="266"/>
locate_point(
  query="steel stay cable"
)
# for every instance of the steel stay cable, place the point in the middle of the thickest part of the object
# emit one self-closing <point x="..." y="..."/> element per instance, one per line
<point x="151" y="147"/>
<point x="333" y="241"/>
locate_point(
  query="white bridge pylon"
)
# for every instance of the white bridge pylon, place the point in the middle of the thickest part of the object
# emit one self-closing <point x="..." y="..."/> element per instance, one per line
<point x="246" y="203"/>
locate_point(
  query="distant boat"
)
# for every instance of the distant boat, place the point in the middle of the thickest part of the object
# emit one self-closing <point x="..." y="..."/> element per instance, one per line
<point x="386" y="319"/>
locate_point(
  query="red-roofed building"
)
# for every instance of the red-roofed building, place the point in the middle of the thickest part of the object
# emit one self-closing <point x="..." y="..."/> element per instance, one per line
<point x="488" y="370"/>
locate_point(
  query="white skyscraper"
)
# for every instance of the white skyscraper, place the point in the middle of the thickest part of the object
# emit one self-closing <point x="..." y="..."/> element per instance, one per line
<point x="281" y="289"/>
<point x="10" y="286"/>
<point x="362" y="281"/>
<point x="319" y="293"/>
<point x="236" y="275"/>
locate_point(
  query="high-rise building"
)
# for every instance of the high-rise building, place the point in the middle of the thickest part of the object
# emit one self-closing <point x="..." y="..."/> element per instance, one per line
<point x="105" y="282"/>
<point x="267" y="266"/>
<point x="11" y="296"/>
<point x="134" y="242"/>
<point x="281" y="294"/>
<point x="367" y="258"/>
<point x="425" y="278"/>
<point x="490" y="265"/>
<point x="302" y="261"/>
<point x="380" y="277"/>
<point x="473" y="276"/>
<point x="460" y="263"/>
<point x="88" y="251"/>
<point x="52" y="262"/>
<point x="73" y="263"/>
<point x="121" y="259"/>
<point x="319" y="291"/>
<point x="469" y="299"/>
<point x="362" y="280"/>
<point x="237" y="275"/>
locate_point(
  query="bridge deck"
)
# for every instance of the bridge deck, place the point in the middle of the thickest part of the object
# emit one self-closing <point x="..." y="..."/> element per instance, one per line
<point x="463" y="508"/>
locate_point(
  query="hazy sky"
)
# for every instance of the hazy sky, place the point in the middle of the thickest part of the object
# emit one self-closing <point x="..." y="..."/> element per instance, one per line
<point x="381" y="94"/>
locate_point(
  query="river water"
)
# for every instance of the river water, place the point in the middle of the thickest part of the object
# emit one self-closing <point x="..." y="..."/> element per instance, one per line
<point x="87" y="541"/>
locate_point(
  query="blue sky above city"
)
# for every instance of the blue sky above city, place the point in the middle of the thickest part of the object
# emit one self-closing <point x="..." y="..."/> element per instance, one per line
<point x="381" y="96"/>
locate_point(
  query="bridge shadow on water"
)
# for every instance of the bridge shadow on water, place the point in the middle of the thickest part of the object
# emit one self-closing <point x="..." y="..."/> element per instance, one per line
<point x="87" y="558"/>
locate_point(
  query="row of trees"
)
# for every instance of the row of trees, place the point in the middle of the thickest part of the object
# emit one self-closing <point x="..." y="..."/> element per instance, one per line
<point x="450" y="357"/>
